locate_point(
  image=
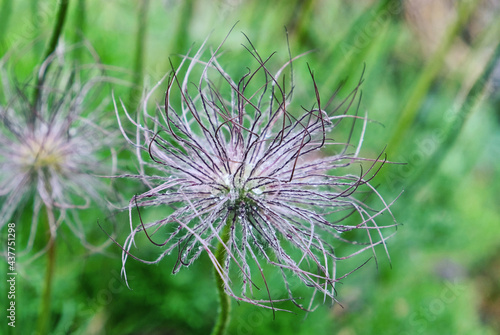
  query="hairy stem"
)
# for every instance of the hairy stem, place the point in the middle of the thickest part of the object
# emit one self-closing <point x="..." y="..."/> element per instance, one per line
<point x="44" y="314"/>
<point x="224" y="300"/>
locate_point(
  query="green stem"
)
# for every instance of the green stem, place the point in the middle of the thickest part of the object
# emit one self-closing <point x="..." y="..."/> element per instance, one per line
<point x="224" y="300"/>
<point x="54" y="39"/>
<point x="44" y="315"/>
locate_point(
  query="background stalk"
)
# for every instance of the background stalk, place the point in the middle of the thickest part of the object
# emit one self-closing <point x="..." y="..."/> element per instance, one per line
<point x="80" y="26"/>
<point x="5" y="14"/>
<point x="51" y="46"/>
<point x="140" y="47"/>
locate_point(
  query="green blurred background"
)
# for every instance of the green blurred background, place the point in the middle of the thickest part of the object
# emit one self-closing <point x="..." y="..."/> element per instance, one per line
<point x="432" y="84"/>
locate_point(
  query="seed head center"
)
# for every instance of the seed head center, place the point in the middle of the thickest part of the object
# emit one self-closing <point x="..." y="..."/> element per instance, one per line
<point x="42" y="152"/>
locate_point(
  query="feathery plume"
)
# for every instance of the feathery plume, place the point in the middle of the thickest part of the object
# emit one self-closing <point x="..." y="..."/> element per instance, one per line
<point x="241" y="166"/>
<point x="51" y="149"/>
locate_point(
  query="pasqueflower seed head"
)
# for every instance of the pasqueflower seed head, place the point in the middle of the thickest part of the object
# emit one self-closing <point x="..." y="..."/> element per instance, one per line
<point x="52" y="144"/>
<point x="231" y="152"/>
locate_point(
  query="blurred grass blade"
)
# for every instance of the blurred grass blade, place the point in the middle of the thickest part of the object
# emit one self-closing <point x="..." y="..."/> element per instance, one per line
<point x="140" y="46"/>
<point x="429" y="73"/>
<point x="5" y="12"/>
<point x="479" y="92"/>
<point x="80" y="22"/>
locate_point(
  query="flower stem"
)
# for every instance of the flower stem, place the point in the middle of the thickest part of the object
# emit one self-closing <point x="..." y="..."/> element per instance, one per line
<point x="224" y="300"/>
<point x="44" y="315"/>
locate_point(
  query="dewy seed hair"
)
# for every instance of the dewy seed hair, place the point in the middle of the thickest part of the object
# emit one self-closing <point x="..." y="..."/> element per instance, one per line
<point x="245" y="173"/>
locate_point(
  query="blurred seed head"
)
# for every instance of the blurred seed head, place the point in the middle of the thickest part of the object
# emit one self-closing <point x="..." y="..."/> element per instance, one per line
<point x="220" y="151"/>
<point x="52" y="145"/>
